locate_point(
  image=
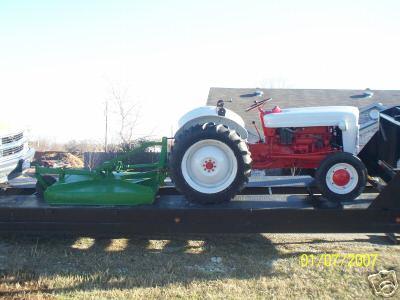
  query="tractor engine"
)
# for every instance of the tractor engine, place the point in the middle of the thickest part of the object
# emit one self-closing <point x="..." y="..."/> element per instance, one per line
<point x="301" y="147"/>
<point x="304" y="140"/>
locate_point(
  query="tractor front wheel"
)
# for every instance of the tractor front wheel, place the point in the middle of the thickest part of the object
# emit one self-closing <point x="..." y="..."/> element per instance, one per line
<point x="341" y="177"/>
<point x="209" y="163"/>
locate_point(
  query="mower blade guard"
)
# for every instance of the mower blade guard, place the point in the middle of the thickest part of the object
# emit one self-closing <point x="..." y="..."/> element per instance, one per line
<point x="112" y="183"/>
<point x="83" y="190"/>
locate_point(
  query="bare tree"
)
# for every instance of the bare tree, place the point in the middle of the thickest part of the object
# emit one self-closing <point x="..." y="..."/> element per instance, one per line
<point x="106" y="127"/>
<point x="128" y="114"/>
<point x="91" y="159"/>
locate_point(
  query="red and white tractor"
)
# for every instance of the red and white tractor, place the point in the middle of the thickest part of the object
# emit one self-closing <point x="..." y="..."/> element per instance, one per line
<point x="211" y="160"/>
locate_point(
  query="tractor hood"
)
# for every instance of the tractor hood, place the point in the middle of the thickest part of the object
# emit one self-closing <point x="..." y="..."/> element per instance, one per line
<point x="341" y="116"/>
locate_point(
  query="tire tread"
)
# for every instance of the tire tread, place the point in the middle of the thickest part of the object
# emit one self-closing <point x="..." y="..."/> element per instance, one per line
<point x="222" y="133"/>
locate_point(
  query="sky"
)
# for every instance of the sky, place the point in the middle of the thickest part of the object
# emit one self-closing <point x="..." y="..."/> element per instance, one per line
<point x="60" y="60"/>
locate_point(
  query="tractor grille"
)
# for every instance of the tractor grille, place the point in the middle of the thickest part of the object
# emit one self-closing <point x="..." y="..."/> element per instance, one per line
<point x="12" y="138"/>
<point x="13" y="150"/>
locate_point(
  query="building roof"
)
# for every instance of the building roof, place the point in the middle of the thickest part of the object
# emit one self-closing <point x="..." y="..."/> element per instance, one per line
<point x="238" y="99"/>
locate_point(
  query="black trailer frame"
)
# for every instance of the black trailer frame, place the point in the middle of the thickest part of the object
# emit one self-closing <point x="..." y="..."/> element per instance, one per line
<point x="172" y="214"/>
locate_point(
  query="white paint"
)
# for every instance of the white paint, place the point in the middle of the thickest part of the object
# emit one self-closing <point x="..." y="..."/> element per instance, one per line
<point x="209" y="182"/>
<point x="209" y="111"/>
<point x="345" y="117"/>
<point x="345" y="189"/>
<point x="204" y="114"/>
<point x="10" y="162"/>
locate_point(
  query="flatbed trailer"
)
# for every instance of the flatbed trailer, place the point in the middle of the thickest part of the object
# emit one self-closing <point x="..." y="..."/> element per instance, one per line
<point x="278" y="206"/>
<point x="258" y="209"/>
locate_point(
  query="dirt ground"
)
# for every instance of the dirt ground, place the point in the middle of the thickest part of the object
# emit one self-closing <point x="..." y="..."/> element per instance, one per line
<point x="255" y="266"/>
<point x="60" y="158"/>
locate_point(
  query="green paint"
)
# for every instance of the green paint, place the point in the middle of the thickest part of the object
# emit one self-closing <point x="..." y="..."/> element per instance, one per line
<point x="112" y="183"/>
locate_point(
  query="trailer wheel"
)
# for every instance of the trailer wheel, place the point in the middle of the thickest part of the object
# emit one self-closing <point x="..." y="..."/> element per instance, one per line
<point x="40" y="189"/>
<point x="209" y="163"/>
<point x="341" y="177"/>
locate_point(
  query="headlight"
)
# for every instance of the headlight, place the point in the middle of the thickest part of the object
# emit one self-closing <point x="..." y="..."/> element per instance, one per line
<point x="398" y="164"/>
<point x="374" y="114"/>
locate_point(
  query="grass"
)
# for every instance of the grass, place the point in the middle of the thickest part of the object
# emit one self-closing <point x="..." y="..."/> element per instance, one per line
<point x="198" y="267"/>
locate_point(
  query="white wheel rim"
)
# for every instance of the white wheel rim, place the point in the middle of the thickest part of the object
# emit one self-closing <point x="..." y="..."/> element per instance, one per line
<point x="345" y="186"/>
<point x="209" y="166"/>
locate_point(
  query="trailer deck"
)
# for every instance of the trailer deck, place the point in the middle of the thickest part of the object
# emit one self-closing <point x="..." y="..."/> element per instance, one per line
<point x="285" y="206"/>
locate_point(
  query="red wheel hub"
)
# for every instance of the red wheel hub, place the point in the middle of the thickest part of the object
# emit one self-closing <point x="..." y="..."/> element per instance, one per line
<point x="341" y="177"/>
<point x="209" y="165"/>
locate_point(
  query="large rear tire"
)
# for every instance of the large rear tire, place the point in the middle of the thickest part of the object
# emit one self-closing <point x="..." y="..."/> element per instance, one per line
<point x="341" y="177"/>
<point x="209" y="163"/>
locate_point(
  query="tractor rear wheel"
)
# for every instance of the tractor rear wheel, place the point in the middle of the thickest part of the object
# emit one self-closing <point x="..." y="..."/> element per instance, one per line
<point x="209" y="163"/>
<point x="341" y="177"/>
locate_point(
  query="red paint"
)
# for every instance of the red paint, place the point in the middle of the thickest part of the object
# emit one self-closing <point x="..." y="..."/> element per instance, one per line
<point x="307" y="148"/>
<point x="341" y="177"/>
<point x="209" y="165"/>
<point x="276" y="109"/>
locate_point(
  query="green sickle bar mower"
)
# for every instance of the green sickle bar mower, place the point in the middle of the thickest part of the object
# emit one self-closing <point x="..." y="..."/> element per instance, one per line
<point x="112" y="183"/>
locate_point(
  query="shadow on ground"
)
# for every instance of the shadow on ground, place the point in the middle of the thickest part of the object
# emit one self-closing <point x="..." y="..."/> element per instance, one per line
<point x="99" y="263"/>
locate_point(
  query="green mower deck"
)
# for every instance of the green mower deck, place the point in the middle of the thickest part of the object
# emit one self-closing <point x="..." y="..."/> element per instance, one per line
<point x="112" y="183"/>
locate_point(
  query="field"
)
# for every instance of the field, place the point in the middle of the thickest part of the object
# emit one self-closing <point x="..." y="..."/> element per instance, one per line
<point x="197" y="267"/>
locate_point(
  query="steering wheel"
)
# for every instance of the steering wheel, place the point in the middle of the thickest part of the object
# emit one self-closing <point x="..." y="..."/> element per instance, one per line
<point x="258" y="103"/>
